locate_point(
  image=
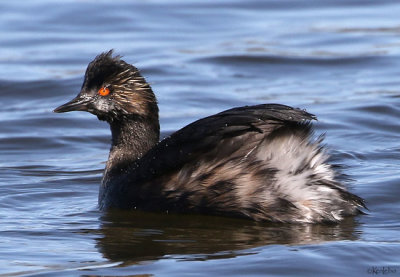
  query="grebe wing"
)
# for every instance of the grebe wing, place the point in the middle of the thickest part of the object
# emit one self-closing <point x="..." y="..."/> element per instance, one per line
<point x="233" y="132"/>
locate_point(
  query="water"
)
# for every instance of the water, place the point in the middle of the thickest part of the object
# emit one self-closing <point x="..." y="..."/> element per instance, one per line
<point x="338" y="59"/>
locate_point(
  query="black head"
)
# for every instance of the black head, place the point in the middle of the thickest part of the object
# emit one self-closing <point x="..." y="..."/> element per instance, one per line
<point x="113" y="90"/>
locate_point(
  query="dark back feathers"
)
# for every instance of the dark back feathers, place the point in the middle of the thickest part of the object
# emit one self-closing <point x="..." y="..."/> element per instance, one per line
<point x="216" y="136"/>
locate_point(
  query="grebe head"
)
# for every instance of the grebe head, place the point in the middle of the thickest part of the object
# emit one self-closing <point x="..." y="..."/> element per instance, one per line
<point x="113" y="90"/>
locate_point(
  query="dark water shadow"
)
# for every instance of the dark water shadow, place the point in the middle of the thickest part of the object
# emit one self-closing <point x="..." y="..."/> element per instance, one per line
<point x="132" y="237"/>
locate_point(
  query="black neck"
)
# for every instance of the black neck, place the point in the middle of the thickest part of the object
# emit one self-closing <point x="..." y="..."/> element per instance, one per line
<point x="132" y="137"/>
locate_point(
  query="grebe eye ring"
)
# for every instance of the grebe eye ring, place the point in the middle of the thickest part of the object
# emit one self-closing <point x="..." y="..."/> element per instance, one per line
<point x="104" y="91"/>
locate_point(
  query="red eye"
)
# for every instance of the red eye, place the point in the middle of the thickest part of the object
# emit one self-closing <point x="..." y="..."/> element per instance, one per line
<point x="104" y="91"/>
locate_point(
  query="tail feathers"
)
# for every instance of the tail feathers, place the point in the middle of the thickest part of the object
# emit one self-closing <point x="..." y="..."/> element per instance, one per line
<point x="354" y="200"/>
<point x="305" y="178"/>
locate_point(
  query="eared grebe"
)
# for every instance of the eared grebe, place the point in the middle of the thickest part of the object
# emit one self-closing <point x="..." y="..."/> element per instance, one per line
<point x="257" y="162"/>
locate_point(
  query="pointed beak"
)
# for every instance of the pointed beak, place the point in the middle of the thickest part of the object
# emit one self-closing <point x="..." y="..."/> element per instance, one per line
<point x="79" y="103"/>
